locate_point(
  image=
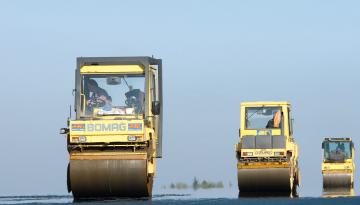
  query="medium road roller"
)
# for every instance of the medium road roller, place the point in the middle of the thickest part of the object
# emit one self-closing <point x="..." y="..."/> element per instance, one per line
<point x="267" y="155"/>
<point x="116" y="135"/>
<point x="338" y="167"/>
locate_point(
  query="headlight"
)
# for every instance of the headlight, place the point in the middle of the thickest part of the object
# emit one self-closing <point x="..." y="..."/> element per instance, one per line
<point x="82" y="139"/>
<point x="132" y="138"/>
<point x="74" y="139"/>
<point x="247" y="154"/>
<point x="278" y="153"/>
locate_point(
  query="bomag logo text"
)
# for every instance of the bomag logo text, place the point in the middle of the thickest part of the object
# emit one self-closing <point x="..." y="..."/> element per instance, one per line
<point x="264" y="152"/>
<point x="106" y="127"/>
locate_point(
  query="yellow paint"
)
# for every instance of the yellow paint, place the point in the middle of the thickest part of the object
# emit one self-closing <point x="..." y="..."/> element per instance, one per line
<point x="105" y="127"/>
<point x="112" y="69"/>
<point x="263" y="152"/>
<point x="113" y="132"/>
<point x="263" y="165"/>
<point x="346" y="167"/>
<point x="337" y="171"/>
<point x="244" y="105"/>
<point x="151" y="167"/>
<point x="265" y="103"/>
<point x="107" y="155"/>
<point x="105" y="138"/>
<point x="290" y="151"/>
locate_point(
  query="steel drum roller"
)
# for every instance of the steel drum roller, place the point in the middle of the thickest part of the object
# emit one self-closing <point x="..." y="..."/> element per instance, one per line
<point x="109" y="178"/>
<point x="336" y="181"/>
<point x="264" y="180"/>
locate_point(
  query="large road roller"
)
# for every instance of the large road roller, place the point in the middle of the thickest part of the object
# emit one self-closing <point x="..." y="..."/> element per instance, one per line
<point x="267" y="153"/>
<point x="338" y="167"/>
<point x="116" y="135"/>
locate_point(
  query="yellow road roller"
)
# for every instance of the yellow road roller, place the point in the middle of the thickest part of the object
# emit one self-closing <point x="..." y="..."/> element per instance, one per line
<point x="116" y="135"/>
<point x="338" y="167"/>
<point x="267" y="153"/>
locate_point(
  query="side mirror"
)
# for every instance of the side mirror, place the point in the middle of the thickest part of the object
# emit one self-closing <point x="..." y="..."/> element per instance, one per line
<point x="322" y="145"/>
<point x="64" y="131"/>
<point x="155" y="107"/>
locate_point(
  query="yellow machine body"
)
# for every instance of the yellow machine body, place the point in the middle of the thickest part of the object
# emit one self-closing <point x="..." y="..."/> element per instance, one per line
<point x="113" y="147"/>
<point x="267" y="153"/>
<point x="338" y="167"/>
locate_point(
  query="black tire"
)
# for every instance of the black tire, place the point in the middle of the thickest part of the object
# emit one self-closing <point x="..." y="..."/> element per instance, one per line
<point x="68" y="179"/>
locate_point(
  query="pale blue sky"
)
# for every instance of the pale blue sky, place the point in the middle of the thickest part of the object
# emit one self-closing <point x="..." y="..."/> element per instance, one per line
<point x="215" y="55"/>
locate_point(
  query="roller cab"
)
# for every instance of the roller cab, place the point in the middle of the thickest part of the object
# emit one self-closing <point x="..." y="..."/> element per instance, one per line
<point x="267" y="153"/>
<point x="116" y="135"/>
<point x="338" y="167"/>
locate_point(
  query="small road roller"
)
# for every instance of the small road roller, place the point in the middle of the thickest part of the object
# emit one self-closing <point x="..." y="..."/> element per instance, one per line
<point x="338" y="167"/>
<point x="116" y="135"/>
<point x="267" y="155"/>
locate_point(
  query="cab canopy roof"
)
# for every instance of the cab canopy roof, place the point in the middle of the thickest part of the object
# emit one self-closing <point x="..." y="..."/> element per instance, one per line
<point x="337" y="139"/>
<point x="138" y="60"/>
<point x="265" y="103"/>
<point x="101" y="65"/>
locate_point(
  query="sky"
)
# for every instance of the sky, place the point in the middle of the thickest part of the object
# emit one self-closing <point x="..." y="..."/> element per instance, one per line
<point x="215" y="55"/>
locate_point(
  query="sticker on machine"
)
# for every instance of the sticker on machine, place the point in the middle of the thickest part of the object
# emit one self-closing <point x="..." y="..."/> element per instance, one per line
<point x="134" y="126"/>
<point x="77" y="127"/>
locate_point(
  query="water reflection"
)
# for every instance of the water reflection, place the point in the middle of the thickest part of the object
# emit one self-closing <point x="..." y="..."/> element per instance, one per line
<point x="267" y="194"/>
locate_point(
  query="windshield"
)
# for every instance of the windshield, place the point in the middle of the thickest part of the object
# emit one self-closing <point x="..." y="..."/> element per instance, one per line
<point x="112" y="95"/>
<point x="337" y="151"/>
<point x="263" y="118"/>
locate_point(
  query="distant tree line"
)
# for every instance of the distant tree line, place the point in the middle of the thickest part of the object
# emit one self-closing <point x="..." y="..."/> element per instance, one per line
<point x="196" y="184"/>
<point x="206" y="185"/>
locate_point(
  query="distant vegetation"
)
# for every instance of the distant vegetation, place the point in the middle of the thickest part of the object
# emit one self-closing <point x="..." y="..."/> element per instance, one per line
<point x="196" y="184"/>
<point x="206" y="185"/>
<point x="179" y="185"/>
